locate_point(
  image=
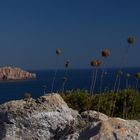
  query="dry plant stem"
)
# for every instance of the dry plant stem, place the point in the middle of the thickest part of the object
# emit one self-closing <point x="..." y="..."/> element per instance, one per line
<point x="63" y="86"/>
<point x="114" y="89"/>
<point x="124" y="104"/>
<point x="119" y="81"/>
<point x="95" y="78"/>
<point x="115" y="84"/>
<point x="114" y="103"/>
<point x="124" y="58"/>
<point x="101" y="83"/>
<point x="124" y="108"/>
<point x="99" y="106"/>
<point x="102" y="77"/>
<point x="133" y="109"/>
<point x="121" y="65"/>
<point x="113" y="106"/>
<point x="91" y="87"/>
<point x="126" y="83"/>
<point x="53" y="82"/>
<point x="88" y="108"/>
<point x="54" y="78"/>
<point x="137" y="84"/>
<point x="64" y="82"/>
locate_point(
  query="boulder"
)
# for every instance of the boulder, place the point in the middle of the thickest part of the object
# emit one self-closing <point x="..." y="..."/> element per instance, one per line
<point x="112" y="129"/>
<point x="49" y="118"/>
<point x="93" y="116"/>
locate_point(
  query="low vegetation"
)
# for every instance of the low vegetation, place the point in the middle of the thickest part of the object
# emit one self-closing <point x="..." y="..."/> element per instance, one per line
<point x="127" y="103"/>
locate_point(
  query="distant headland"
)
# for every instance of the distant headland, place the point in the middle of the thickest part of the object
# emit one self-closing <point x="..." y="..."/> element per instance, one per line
<point x="14" y="73"/>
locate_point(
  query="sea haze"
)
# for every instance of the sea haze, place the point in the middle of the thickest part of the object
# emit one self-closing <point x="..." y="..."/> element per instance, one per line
<point x="77" y="79"/>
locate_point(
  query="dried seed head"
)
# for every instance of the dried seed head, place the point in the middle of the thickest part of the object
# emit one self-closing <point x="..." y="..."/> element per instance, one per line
<point x="131" y="40"/>
<point x="67" y="64"/>
<point x="98" y="63"/>
<point x="106" y="53"/>
<point x="127" y="76"/>
<point x="137" y="75"/>
<point x="95" y="63"/>
<point x="58" y="51"/>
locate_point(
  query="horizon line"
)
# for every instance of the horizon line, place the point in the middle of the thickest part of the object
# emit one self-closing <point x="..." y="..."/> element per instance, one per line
<point x="52" y="69"/>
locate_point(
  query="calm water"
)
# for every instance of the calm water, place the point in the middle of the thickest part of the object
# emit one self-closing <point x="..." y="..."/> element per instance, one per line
<point x="76" y="79"/>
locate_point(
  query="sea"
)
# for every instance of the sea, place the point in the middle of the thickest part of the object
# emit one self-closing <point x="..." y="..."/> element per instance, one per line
<point x="76" y="79"/>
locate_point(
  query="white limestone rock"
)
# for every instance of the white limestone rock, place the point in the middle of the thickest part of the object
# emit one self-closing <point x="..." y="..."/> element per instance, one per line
<point x="49" y="118"/>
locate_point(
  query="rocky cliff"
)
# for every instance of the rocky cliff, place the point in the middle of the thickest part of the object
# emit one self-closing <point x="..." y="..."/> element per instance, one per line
<point x="49" y="118"/>
<point x="13" y="73"/>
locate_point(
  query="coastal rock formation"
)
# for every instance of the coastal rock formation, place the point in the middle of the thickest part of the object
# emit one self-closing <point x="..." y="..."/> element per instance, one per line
<point x="49" y="118"/>
<point x="14" y="73"/>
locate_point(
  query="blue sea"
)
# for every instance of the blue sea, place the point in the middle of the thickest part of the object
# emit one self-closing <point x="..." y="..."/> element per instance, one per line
<point x="77" y="79"/>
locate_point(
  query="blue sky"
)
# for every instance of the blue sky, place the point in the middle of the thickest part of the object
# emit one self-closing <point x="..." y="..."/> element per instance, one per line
<point x="31" y="30"/>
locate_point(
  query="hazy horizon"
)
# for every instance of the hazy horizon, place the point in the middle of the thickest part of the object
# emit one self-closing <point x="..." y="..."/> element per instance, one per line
<point x="31" y="30"/>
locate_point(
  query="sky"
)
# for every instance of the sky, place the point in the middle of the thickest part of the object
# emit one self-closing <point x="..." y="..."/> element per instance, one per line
<point x="31" y="30"/>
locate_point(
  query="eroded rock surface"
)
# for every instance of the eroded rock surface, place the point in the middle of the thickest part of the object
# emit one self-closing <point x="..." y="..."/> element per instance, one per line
<point x="49" y="118"/>
<point x="44" y="119"/>
<point x="14" y="73"/>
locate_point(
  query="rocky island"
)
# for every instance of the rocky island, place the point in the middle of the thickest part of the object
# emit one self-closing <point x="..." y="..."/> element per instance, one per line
<point x="14" y="73"/>
<point x="49" y="118"/>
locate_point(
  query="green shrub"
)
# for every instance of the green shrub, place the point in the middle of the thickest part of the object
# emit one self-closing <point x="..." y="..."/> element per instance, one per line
<point x="81" y="100"/>
<point x="78" y="99"/>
